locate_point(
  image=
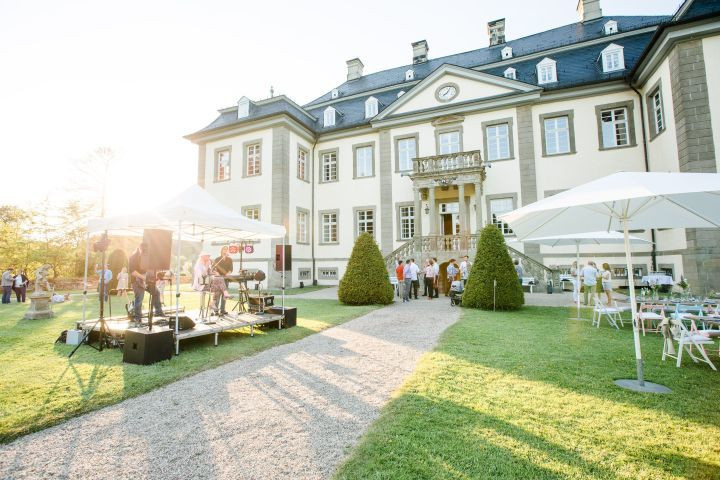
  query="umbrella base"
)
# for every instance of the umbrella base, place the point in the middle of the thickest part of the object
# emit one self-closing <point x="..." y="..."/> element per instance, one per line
<point x="648" y="387"/>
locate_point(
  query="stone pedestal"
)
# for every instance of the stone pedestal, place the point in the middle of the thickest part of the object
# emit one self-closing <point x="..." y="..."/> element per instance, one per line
<point x="39" y="306"/>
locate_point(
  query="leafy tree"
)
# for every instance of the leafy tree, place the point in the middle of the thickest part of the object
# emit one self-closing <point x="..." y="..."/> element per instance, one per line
<point x="493" y="263"/>
<point x="366" y="280"/>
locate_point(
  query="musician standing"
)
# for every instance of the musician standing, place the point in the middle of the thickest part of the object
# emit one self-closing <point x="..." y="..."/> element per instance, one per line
<point x="137" y="265"/>
<point x="224" y="266"/>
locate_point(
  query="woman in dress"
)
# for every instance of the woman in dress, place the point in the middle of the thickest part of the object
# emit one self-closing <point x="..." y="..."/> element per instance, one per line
<point x="122" y="285"/>
<point x="607" y="282"/>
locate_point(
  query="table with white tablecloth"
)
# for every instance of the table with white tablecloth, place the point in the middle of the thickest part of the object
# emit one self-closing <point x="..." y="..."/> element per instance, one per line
<point x="657" y="279"/>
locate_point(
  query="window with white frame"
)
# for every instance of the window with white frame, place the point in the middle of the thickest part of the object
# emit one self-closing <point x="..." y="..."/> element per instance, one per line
<point x="302" y="227"/>
<point x="657" y="111"/>
<point x="546" y="71"/>
<point x="302" y="164"/>
<point x="304" y="274"/>
<point x="371" y="107"/>
<point x="409" y="75"/>
<point x="498" y="138"/>
<point x="449" y="142"/>
<point x="327" y="273"/>
<point x="254" y="159"/>
<point x="557" y="135"/>
<point x="612" y="58"/>
<point x="329" y="165"/>
<point x="498" y="206"/>
<point x="614" y="127"/>
<point x="510" y="73"/>
<point x="329" y="117"/>
<point x="406" y="152"/>
<point x="329" y="227"/>
<point x="407" y="222"/>
<point x="365" y="221"/>
<point x="364" y="161"/>
<point x="253" y="213"/>
<point x="222" y="165"/>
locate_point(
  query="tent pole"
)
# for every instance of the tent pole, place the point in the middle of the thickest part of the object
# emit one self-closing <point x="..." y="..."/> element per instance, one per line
<point x="87" y="260"/>
<point x="633" y="306"/>
<point x="177" y="279"/>
<point x="577" y="274"/>
<point x="283" y="277"/>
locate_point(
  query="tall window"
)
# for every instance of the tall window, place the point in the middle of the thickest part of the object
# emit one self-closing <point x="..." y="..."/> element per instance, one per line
<point x="498" y="139"/>
<point x="253" y="213"/>
<point x="222" y="165"/>
<point x="657" y="112"/>
<point x="407" y="222"/>
<point x="614" y="127"/>
<point x="365" y="221"/>
<point x="498" y="206"/>
<point x="329" y="167"/>
<point x="364" y="162"/>
<point x="302" y="164"/>
<point x="557" y="135"/>
<point x="449" y="142"/>
<point x="406" y="151"/>
<point x="254" y="160"/>
<point x="302" y="227"/>
<point x="329" y="227"/>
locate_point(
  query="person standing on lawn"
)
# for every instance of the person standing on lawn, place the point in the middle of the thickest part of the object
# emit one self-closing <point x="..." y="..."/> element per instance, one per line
<point x="519" y="270"/>
<point x="451" y="271"/>
<point x="414" y="279"/>
<point x="606" y="279"/>
<point x="7" y="284"/>
<point x="430" y="279"/>
<point x="589" y="276"/>
<point x="399" y="274"/>
<point x="20" y="286"/>
<point x="465" y="269"/>
<point x="407" y="279"/>
<point x="436" y="269"/>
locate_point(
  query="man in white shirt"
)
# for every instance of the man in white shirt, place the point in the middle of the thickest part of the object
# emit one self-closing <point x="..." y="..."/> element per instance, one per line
<point x="589" y="280"/>
<point x="436" y="268"/>
<point x="414" y="270"/>
<point x="465" y="270"/>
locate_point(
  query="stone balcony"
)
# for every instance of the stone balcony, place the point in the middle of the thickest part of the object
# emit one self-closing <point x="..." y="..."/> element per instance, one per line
<point x="460" y="163"/>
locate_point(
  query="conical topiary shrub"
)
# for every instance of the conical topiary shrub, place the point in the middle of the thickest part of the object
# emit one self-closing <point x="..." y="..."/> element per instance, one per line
<point x="366" y="280"/>
<point x="493" y="262"/>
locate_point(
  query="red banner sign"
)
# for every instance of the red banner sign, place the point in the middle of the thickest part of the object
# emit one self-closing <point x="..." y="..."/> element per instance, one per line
<point x="233" y="249"/>
<point x="249" y="249"/>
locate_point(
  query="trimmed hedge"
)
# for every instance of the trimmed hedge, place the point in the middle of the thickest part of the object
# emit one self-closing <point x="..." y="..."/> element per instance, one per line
<point x="493" y="262"/>
<point x="366" y="280"/>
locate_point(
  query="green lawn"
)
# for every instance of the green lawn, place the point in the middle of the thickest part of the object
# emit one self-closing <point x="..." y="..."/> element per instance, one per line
<point x="41" y="387"/>
<point x="530" y="395"/>
<point x="298" y="290"/>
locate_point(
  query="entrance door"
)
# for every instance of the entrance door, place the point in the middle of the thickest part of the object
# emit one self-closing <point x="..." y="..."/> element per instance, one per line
<point x="450" y="218"/>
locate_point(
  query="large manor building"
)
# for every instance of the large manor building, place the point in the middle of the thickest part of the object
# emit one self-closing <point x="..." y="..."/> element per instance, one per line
<point x="424" y="155"/>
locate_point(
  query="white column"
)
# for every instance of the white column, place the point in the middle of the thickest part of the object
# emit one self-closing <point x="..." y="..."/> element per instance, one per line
<point x="418" y="212"/>
<point x="463" y="210"/>
<point x="433" y="211"/>
<point x="478" y="206"/>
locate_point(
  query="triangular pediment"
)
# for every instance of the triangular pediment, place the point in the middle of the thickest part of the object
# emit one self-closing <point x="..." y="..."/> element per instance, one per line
<point x="451" y="85"/>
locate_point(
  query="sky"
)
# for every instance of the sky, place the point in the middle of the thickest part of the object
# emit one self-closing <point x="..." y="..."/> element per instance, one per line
<point x="138" y="75"/>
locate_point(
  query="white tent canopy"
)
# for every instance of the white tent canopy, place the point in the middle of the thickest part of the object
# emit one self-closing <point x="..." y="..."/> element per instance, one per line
<point x="201" y="215"/>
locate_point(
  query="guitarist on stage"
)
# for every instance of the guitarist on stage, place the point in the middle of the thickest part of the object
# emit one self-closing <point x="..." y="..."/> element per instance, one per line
<point x="223" y="265"/>
<point x="140" y="284"/>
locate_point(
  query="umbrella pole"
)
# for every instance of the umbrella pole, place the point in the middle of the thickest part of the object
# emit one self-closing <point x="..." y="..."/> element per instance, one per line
<point x="577" y="276"/>
<point x="177" y="281"/>
<point x="87" y="260"/>
<point x="283" y="277"/>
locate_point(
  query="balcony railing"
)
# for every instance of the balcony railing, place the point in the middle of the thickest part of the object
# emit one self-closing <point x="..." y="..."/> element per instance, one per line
<point x="450" y="162"/>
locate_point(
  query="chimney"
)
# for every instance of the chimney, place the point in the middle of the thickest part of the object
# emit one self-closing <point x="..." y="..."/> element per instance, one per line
<point x="588" y="10"/>
<point x="355" y="68"/>
<point x="420" y="52"/>
<point x="496" y="31"/>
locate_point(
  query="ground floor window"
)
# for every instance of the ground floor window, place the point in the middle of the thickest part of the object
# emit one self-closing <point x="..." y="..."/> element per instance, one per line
<point x="327" y="273"/>
<point x="329" y="227"/>
<point x="498" y="206"/>
<point x="407" y="222"/>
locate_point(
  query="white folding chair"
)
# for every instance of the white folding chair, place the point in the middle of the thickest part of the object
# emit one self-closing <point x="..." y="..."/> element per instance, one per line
<point x="675" y="330"/>
<point x="612" y="314"/>
<point x="648" y="315"/>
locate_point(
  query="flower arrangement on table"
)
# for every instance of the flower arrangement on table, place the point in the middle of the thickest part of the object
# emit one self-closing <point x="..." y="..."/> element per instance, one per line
<point x="684" y="285"/>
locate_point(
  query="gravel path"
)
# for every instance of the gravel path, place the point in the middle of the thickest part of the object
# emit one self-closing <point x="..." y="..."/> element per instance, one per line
<point x="290" y="412"/>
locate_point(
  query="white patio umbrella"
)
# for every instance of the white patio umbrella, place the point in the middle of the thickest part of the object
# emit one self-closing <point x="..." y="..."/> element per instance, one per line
<point x="588" y="238"/>
<point x="625" y="201"/>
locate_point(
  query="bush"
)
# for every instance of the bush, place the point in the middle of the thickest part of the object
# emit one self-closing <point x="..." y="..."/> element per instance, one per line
<point x="493" y="262"/>
<point x="366" y="280"/>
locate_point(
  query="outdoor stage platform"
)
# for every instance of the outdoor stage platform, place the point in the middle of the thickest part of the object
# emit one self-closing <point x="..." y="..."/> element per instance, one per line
<point x="213" y="326"/>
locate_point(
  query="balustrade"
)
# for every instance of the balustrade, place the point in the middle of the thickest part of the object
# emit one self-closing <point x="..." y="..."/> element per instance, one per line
<point x="448" y="163"/>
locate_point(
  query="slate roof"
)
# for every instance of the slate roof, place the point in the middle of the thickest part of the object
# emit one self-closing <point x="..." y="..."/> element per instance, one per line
<point x="575" y="67"/>
<point x="700" y="8"/>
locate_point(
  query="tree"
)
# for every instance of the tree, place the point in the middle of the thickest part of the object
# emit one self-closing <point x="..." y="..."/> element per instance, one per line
<point x="493" y="263"/>
<point x="366" y="280"/>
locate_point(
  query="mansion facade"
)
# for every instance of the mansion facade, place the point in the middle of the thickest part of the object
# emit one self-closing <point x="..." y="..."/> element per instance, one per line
<point x="424" y="155"/>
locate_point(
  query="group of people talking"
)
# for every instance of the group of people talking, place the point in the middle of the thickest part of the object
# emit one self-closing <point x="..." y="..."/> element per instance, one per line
<point x="409" y="273"/>
<point x="590" y="276"/>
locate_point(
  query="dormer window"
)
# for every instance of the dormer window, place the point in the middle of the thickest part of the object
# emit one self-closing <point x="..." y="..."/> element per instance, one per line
<point x="371" y="107"/>
<point x="329" y="117"/>
<point x="401" y="93"/>
<point x="334" y="93"/>
<point x="506" y="52"/>
<point x="510" y="73"/>
<point x="409" y="75"/>
<point x="610" y="27"/>
<point x="243" y="107"/>
<point x="546" y="71"/>
<point x="612" y="58"/>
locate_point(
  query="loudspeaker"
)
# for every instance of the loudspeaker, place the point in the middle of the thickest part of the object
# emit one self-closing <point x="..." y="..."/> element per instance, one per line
<point x="159" y="248"/>
<point x="278" y="258"/>
<point x="144" y="347"/>
<point x="186" y="323"/>
<point x="290" y="315"/>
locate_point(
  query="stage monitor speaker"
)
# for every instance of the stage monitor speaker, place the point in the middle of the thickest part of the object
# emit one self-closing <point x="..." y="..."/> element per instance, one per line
<point x="143" y="347"/>
<point x="159" y="248"/>
<point x="278" y="258"/>
<point x="290" y="315"/>
<point x="185" y="323"/>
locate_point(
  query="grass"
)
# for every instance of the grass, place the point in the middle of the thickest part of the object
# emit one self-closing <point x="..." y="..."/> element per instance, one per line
<point x="42" y="387"/>
<point x="298" y="290"/>
<point x="530" y="394"/>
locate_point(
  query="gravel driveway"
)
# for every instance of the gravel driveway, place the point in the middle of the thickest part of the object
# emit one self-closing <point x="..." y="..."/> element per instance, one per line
<point x="289" y="412"/>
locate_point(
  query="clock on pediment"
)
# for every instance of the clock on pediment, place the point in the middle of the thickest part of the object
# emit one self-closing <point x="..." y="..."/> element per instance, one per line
<point x="447" y="92"/>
